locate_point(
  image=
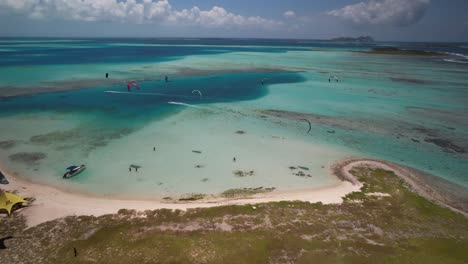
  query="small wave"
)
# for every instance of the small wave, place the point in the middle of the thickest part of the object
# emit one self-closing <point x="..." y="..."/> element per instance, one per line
<point x="456" y="61"/>
<point x="458" y="55"/>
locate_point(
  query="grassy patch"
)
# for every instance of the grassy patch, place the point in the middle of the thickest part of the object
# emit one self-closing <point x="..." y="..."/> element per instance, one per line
<point x="400" y="227"/>
<point x="244" y="192"/>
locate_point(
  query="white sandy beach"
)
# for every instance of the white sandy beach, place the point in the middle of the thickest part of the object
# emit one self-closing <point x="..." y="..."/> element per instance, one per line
<point x="51" y="203"/>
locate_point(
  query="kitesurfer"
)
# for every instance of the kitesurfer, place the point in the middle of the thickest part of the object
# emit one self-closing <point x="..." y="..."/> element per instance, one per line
<point x="310" y="125"/>
<point x="134" y="84"/>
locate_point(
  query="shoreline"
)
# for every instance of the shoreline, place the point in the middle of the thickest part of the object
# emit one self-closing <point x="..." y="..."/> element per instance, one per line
<point x="52" y="203"/>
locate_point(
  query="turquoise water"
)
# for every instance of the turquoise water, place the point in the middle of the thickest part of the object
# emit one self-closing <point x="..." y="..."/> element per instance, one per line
<point x="407" y="109"/>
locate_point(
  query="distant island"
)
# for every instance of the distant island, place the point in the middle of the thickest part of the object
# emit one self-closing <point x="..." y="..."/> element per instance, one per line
<point x="358" y="39"/>
<point x="397" y="51"/>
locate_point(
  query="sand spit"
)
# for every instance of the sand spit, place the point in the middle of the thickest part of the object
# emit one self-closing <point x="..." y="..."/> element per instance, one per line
<point x="433" y="188"/>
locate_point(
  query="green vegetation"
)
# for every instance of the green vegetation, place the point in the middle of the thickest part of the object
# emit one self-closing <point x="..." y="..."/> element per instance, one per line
<point x="383" y="223"/>
<point x="244" y="192"/>
<point x="193" y="197"/>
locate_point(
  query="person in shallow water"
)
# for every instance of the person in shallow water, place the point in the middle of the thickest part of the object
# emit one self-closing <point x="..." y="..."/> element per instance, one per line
<point x="234" y="159"/>
<point x="154" y="148"/>
<point x="107" y="75"/>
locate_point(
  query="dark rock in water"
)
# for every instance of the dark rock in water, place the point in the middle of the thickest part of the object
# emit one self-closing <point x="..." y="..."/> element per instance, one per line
<point x="135" y="166"/>
<point x="167" y="198"/>
<point x="300" y="174"/>
<point x="240" y="173"/>
<point x="258" y="188"/>
<point x="240" y="132"/>
<point x="28" y="157"/>
<point x="199" y="166"/>
<point x="7" y="144"/>
<point x="427" y="131"/>
<point x="415" y="140"/>
<point x="204" y="179"/>
<point x="196" y="151"/>
<point x="292" y="168"/>
<point x="304" y="168"/>
<point x="446" y="144"/>
<point x="193" y="197"/>
<point x="331" y="131"/>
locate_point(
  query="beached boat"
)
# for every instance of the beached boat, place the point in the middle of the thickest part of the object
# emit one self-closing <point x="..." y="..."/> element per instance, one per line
<point x="73" y="171"/>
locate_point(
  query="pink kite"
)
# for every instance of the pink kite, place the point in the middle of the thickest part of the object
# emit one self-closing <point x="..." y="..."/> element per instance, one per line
<point x="134" y="84"/>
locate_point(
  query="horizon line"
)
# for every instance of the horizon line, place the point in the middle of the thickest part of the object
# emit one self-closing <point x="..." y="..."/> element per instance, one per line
<point x="220" y="38"/>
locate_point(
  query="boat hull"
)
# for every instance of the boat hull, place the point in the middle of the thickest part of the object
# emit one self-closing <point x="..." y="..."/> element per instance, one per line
<point x="69" y="175"/>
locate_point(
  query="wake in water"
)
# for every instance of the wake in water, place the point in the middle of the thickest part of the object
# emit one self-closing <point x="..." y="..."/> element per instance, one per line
<point x="188" y="105"/>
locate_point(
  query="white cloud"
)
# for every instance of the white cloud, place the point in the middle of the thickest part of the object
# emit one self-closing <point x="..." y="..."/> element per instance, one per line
<point x="131" y="11"/>
<point x="289" y="14"/>
<point x="383" y="12"/>
<point x="218" y="17"/>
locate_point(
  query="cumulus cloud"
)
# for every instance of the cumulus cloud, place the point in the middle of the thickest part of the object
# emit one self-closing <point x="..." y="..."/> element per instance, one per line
<point x="383" y="12"/>
<point x="132" y="11"/>
<point x="218" y="17"/>
<point x="289" y="14"/>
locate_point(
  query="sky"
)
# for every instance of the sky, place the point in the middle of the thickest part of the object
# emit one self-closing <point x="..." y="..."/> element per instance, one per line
<point x="384" y="20"/>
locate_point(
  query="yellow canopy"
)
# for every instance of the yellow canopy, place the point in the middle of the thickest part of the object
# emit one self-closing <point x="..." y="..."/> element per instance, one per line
<point x="8" y="200"/>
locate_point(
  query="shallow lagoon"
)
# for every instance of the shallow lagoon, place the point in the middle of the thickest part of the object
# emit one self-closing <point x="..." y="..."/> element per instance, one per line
<point x="385" y="107"/>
